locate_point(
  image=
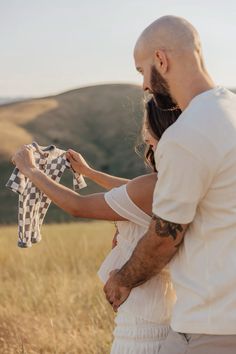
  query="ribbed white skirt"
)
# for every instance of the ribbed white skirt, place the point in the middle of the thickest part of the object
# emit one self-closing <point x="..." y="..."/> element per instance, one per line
<point x="136" y="336"/>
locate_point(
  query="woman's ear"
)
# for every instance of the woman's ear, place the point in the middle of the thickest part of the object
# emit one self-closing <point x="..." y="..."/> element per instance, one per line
<point x="161" y="61"/>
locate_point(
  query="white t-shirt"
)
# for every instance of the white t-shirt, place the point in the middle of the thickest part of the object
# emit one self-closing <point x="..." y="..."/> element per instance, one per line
<point x="196" y="163"/>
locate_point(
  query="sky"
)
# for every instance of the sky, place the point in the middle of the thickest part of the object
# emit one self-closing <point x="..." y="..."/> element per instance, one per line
<point x="51" y="46"/>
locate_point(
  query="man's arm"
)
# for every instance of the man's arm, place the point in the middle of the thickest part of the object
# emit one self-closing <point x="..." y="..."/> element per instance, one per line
<point x="152" y="253"/>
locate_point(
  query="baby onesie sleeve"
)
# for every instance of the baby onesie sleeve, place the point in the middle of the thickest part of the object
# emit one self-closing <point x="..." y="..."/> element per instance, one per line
<point x="17" y="181"/>
<point x="27" y="204"/>
<point x="78" y="179"/>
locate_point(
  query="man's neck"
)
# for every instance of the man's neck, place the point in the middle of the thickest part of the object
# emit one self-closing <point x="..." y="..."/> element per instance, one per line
<point x="186" y="91"/>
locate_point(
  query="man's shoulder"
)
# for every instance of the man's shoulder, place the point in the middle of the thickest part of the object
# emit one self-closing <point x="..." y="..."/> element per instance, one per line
<point x="179" y="131"/>
<point x="204" y="118"/>
<point x="188" y="134"/>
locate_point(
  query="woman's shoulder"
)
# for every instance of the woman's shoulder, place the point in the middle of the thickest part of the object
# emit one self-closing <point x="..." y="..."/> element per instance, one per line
<point x="140" y="191"/>
<point x="142" y="185"/>
<point x="148" y="178"/>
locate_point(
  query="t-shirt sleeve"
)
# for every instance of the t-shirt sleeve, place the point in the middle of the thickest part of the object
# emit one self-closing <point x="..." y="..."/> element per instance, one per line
<point x="183" y="179"/>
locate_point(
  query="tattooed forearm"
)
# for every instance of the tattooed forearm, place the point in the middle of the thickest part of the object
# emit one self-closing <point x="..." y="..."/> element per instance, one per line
<point x="153" y="252"/>
<point x="144" y="262"/>
<point x="165" y="228"/>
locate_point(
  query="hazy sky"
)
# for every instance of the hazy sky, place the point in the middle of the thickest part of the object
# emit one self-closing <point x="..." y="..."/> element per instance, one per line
<point x="50" y="46"/>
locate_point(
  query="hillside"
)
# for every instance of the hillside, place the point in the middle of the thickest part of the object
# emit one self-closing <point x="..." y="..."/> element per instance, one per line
<point x="102" y="122"/>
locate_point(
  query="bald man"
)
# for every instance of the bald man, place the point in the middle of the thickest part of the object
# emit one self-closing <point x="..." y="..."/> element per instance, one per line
<point x="194" y="205"/>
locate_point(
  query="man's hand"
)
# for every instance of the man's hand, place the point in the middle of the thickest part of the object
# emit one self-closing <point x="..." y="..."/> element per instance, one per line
<point x="24" y="160"/>
<point x="153" y="251"/>
<point x="115" y="292"/>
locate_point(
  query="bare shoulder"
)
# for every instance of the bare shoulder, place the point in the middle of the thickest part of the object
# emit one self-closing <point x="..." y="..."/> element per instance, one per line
<point x="141" y="189"/>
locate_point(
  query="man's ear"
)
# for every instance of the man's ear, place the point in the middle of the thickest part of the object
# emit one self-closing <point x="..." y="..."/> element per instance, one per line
<point x="161" y="61"/>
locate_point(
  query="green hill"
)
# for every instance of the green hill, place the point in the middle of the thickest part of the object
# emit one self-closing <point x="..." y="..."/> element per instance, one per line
<point x="102" y="122"/>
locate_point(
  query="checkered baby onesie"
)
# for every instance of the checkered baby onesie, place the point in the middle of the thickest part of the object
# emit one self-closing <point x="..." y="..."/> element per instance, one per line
<point x="33" y="204"/>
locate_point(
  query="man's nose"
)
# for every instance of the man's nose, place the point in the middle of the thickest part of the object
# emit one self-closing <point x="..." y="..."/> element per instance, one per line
<point x="145" y="86"/>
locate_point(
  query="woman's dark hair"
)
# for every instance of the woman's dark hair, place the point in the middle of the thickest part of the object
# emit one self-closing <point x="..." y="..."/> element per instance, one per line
<point x="158" y="120"/>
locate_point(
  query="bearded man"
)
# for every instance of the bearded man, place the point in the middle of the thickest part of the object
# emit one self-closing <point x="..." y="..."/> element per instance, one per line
<point x="194" y="204"/>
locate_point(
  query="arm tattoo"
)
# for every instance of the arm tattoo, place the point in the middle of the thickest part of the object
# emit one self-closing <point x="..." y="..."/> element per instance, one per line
<point x="166" y="228"/>
<point x="152" y="254"/>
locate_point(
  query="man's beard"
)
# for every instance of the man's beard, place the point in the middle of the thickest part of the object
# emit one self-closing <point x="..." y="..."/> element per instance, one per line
<point x="161" y="91"/>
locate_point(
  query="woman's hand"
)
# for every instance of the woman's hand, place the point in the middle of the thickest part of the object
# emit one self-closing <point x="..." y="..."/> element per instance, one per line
<point x="77" y="162"/>
<point x="24" y="160"/>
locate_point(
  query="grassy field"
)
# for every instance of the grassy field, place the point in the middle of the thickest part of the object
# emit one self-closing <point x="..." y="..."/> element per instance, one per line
<point x="51" y="300"/>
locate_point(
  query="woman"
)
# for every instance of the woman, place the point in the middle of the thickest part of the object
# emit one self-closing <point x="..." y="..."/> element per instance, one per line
<point x="143" y="320"/>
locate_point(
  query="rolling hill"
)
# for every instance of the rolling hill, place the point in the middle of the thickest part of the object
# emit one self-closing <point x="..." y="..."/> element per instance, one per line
<point x="102" y="122"/>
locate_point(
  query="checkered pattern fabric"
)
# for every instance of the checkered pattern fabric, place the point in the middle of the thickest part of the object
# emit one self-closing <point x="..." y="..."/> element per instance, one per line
<point x="33" y="204"/>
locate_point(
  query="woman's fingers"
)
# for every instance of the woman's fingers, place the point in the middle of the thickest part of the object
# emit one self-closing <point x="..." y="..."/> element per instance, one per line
<point x="71" y="154"/>
<point x="24" y="158"/>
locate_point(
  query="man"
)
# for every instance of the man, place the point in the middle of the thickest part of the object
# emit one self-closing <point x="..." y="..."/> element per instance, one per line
<point x="194" y="204"/>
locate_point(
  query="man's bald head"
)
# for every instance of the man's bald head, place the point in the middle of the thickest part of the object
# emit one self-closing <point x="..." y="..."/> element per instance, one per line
<point x="170" y="33"/>
<point x="168" y="55"/>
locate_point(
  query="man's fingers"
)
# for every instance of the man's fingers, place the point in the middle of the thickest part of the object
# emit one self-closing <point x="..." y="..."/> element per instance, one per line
<point x="109" y="295"/>
<point x="115" y="307"/>
<point x="112" y="272"/>
<point x="116" y="304"/>
<point x="111" y="302"/>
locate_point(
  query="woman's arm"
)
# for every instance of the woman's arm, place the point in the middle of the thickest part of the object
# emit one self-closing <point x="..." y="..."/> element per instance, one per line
<point x="91" y="206"/>
<point x="103" y="179"/>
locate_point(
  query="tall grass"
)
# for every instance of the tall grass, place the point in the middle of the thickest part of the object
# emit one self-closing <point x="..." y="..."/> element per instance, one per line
<point x="51" y="300"/>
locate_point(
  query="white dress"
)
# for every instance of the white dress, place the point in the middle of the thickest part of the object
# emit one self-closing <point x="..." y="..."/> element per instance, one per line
<point x="142" y="321"/>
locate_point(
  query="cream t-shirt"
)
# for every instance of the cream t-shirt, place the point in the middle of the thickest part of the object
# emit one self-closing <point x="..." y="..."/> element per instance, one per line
<point x="196" y="163"/>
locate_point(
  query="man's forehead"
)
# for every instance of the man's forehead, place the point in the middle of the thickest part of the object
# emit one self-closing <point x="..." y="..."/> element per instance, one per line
<point x="137" y="59"/>
<point x="143" y="53"/>
<point x="139" y="49"/>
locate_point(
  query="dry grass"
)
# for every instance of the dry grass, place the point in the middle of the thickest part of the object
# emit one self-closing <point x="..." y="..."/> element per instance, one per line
<point x="12" y="137"/>
<point x="51" y="300"/>
<point x="23" y="112"/>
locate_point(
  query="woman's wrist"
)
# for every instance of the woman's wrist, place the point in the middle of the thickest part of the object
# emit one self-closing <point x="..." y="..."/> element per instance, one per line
<point x="90" y="173"/>
<point x="31" y="172"/>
